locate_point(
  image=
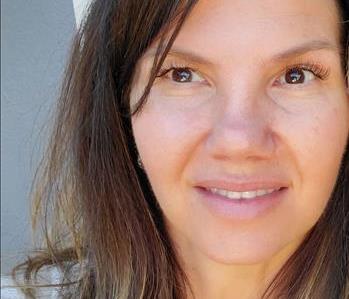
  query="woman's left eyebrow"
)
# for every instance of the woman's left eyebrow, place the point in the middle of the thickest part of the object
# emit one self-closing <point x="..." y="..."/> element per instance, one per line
<point x="314" y="45"/>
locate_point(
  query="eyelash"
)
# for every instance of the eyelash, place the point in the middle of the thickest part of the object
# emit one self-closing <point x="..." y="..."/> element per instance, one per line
<point x="173" y="66"/>
<point x="319" y="70"/>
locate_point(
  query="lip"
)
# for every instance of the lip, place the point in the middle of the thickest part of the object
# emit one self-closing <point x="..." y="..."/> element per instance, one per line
<point x="243" y="185"/>
<point x="241" y="210"/>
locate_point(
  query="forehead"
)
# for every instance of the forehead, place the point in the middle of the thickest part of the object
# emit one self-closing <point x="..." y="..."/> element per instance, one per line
<point x="226" y="30"/>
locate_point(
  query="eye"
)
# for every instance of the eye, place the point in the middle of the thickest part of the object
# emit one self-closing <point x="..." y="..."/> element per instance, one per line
<point x="181" y="75"/>
<point x="297" y="76"/>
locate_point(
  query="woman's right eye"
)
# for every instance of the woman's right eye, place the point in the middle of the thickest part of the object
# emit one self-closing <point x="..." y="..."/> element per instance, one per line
<point x="181" y="75"/>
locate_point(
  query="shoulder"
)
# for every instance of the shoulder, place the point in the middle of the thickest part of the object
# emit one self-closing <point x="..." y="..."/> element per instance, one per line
<point x="10" y="290"/>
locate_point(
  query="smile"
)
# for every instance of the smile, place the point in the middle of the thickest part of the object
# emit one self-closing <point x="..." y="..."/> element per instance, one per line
<point x="242" y="195"/>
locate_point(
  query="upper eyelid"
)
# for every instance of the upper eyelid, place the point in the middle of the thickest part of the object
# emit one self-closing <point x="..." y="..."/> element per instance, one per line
<point x="322" y="57"/>
<point x="168" y="64"/>
<point x="318" y="69"/>
<point x="164" y="71"/>
<point x="299" y="59"/>
<point x="183" y="63"/>
<point x="203" y="77"/>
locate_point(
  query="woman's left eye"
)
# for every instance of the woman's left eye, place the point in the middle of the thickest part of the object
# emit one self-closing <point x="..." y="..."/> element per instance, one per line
<point x="297" y="76"/>
<point x="182" y="75"/>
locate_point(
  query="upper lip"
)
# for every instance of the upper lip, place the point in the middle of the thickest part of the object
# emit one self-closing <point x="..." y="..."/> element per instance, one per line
<point x="243" y="184"/>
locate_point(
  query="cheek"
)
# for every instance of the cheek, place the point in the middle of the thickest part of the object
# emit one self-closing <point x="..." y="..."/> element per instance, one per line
<point x="167" y="137"/>
<point x="315" y="142"/>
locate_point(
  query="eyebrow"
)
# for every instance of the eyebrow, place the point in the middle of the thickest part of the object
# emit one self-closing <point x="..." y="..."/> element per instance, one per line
<point x="314" y="45"/>
<point x="302" y="49"/>
<point x="181" y="53"/>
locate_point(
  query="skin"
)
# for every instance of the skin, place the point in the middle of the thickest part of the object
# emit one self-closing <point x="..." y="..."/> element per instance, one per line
<point x="239" y="119"/>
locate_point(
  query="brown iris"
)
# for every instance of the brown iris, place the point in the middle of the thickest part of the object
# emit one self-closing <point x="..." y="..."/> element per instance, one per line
<point x="295" y="76"/>
<point x="181" y="75"/>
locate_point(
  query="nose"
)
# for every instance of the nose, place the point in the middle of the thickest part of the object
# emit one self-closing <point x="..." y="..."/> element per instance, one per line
<point x="242" y="129"/>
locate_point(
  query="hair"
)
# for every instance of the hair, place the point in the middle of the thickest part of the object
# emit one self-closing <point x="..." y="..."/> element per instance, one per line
<point x="93" y="209"/>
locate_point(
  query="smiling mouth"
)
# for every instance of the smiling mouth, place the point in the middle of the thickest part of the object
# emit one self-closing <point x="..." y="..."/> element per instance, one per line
<point x="235" y="195"/>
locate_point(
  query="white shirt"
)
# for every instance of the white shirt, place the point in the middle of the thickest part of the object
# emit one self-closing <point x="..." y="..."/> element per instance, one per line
<point x="10" y="291"/>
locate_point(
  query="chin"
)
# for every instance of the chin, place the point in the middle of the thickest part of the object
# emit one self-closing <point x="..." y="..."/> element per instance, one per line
<point x="248" y="251"/>
<point x="248" y="257"/>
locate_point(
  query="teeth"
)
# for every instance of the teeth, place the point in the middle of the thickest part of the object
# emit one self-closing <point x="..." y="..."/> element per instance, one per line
<point x="241" y="195"/>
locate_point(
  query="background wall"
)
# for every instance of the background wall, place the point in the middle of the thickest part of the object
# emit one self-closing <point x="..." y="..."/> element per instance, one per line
<point x="35" y="37"/>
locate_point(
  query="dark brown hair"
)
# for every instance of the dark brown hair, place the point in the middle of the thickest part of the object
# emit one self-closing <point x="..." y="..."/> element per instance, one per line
<point x="93" y="207"/>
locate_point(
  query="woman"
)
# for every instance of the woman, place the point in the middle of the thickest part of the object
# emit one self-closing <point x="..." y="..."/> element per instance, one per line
<point x="200" y="151"/>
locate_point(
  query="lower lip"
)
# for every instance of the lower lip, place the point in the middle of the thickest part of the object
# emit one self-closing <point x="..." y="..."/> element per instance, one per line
<point x="243" y="209"/>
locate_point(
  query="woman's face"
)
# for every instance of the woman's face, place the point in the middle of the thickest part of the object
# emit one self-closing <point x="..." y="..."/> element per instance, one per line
<point x="255" y="104"/>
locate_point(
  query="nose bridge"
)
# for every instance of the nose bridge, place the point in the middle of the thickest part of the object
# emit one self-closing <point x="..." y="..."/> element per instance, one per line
<point x="240" y="91"/>
<point x="244" y="106"/>
<point x="242" y="125"/>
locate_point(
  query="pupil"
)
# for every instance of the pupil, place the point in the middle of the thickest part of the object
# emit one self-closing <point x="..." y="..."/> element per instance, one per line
<point x="181" y="75"/>
<point x="295" y="76"/>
